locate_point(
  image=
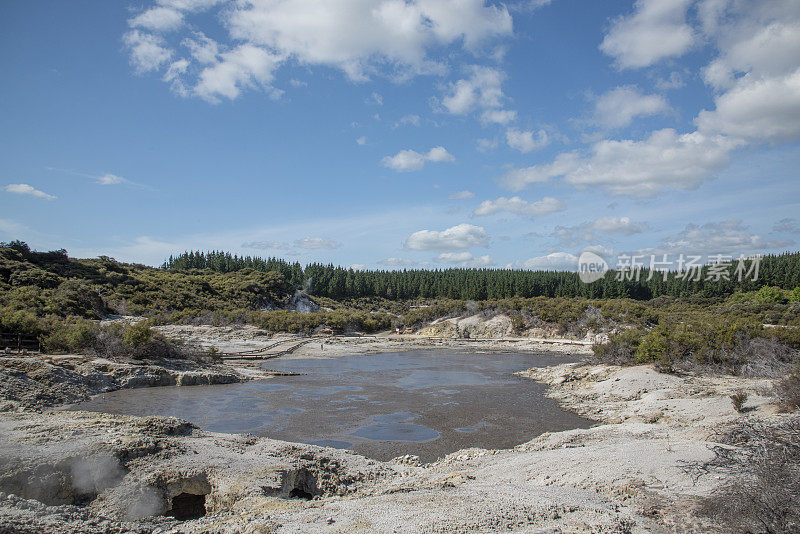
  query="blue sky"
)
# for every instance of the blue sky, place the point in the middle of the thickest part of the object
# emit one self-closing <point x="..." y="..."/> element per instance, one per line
<point x="401" y="133"/>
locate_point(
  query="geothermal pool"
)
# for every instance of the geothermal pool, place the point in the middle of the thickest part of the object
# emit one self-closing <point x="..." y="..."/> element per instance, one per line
<point x="427" y="403"/>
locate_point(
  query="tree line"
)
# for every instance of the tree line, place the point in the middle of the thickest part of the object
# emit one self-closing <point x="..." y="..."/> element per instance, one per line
<point x="336" y="282"/>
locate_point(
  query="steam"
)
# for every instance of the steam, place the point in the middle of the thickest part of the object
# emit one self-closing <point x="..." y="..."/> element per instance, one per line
<point x="93" y="474"/>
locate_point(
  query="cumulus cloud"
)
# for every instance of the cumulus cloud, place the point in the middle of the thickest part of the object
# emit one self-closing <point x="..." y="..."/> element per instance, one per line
<point x="498" y="116"/>
<point x="757" y="110"/>
<point x="722" y="237"/>
<point x="244" y="66"/>
<point x="316" y="243"/>
<point x="589" y="231"/>
<point x="656" y="29"/>
<point x="756" y="72"/>
<point x="556" y="261"/>
<point x="402" y="262"/>
<point x="461" y="195"/>
<point x="360" y="37"/>
<point x="25" y="189"/>
<point x="787" y="226"/>
<point x="520" y="207"/>
<point x="459" y="237"/>
<point x="518" y="179"/>
<point x="148" y="52"/>
<point x="158" y="19"/>
<point x="482" y="89"/>
<point x="665" y="160"/>
<point x="618" y="107"/>
<point x="411" y="160"/>
<point x="465" y="259"/>
<point x="525" y="141"/>
<point x="361" y="141"/>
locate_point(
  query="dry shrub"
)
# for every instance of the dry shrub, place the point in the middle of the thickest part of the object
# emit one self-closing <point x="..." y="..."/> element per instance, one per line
<point x="763" y="492"/>
<point x="788" y="390"/>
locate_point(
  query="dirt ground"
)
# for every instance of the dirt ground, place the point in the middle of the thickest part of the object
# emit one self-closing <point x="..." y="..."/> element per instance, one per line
<point x="63" y="471"/>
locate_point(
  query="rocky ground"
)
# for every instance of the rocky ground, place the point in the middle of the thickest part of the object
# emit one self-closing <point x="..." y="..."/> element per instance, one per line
<point x="87" y="472"/>
<point x="40" y="382"/>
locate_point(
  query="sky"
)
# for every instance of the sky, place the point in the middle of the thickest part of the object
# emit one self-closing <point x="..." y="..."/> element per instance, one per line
<point x="386" y="134"/>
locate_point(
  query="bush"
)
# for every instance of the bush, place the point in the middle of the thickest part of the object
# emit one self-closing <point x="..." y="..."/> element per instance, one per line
<point x="73" y="334"/>
<point x="620" y="347"/>
<point x="770" y="294"/>
<point x="788" y="390"/>
<point x="137" y="334"/>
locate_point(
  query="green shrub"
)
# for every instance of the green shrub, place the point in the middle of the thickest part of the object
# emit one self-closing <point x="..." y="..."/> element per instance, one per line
<point x="620" y="347"/>
<point x="794" y="296"/>
<point x="73" y="334"/>
<point x="137" y="334"/>
<point x="771" y="294"/>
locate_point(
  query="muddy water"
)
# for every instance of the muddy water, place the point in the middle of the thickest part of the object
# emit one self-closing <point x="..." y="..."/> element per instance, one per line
<point x="427" y="403"/>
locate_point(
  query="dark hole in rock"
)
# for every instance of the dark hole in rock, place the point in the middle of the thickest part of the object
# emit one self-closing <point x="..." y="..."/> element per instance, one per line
<point x="83" y="499"/>
<point x="187" y="506"/>
<point x="298" y="493"/>
<point x="301" y="484"/>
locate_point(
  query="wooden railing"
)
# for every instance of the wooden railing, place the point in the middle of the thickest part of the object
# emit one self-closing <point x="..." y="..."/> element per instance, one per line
<point x="17" y="343"/>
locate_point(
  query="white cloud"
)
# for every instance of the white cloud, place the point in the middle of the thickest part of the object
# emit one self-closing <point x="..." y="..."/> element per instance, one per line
<point x="524" y="141"/>
<point x="481" y="90"/>
<point x="316" y="243"/>
<point x="25" y="189"/>
<point x="244" y="66"/>
<point x="361" y="140"/>
<point x="723" y="237"/>
<point x="498" y="116"/>
<point x="673" y="81"/>
<point x="588" y="231"/>
<point x="757" y="70"/>
<point x="111" y="179"/>
<point x="465" y="259"/>
<point x="665" y="160"/>
<point x="404" y="161"/>
<point x="357" y="266"/>
<point x="657" y="29"/>
<point x="521" y="207"/>
<point x="203" y="49"/>
<point x="148" y="51"/>
<point x="411" y="160"/>
<point x="359" y="35"/>
<point x="401" y="262"/>
<point x="557" y="261"/>
<point x="438" y="154"/>
<point x="618" y="107"/>
<point x="757" y="110"/>
<point x="160" y="19"/>
<point x="375" y="98"/>
<point x="461" y="195"/>
<point x="486" y="145"/>
<point x="518" y="179"/>
<point x="190" y="5"/>
<point x="460" y="237"/>
<point x="412" y="120"/>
